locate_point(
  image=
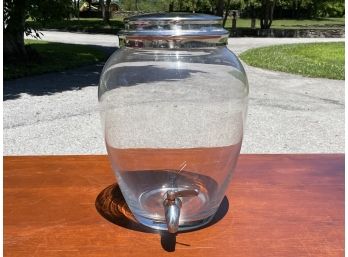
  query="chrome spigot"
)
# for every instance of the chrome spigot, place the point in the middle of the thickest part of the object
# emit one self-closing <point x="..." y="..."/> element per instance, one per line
<point x="172" y="205"/>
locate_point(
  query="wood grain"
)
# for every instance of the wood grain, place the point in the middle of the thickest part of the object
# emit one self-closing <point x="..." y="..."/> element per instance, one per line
<point x="278" y="205"/>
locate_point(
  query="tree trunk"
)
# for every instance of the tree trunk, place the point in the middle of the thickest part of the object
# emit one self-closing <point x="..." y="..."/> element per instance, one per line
<point x="267" y="7"/>
<point x="89" y="5"/>
<point x="171" y="6"/>
<point x="314" y="8"/>
<point x="234" y="20"/>
<point x="212" y="6"/>
<point x="293" y="9"/>
<point x="194" y="5"/>
<point x="298" y="9"/>
<point x="14" y="33"/>
<point x="78" y="9"/>
<point x="227" y="11"/>
<point x="102" y="8"/>
<point x="220" y="4"/>
<point x="107" y="11"/>
<point x="253" y="16"/>
<point x="75" y="8"/>
<point x="180" y="5"/>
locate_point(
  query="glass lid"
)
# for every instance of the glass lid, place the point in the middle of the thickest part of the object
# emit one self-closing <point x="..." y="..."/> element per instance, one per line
<point x="173" y="30"/>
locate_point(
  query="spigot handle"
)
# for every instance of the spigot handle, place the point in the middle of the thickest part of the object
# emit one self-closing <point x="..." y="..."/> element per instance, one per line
<point x="171" y="195"/>
<point x="187" y="192"/>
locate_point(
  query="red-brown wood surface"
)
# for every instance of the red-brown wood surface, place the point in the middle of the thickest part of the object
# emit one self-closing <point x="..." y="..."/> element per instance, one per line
<point x="277" y="205"/>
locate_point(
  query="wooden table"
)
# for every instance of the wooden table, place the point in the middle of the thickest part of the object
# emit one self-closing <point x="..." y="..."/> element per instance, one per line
<point x="276" y="205"/>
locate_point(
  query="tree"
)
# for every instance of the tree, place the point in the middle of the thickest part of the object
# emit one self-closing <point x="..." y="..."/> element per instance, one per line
<point x="16" y="12"/>
<point x="323" y="8"/>
<point x="266" y="16"/>
<point x="306" y="8"/>
<point x="14" y="24"/>
<point x="146" y="5"/>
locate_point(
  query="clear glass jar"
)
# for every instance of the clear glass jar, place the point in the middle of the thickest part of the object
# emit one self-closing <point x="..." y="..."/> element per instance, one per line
<point x="173" y="104"/>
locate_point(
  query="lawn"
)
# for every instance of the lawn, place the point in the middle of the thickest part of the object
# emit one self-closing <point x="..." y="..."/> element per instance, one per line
<point x="54" y="57"/>
<point x="83" y="24"/>
<point x="287" y="24"/>
<point x="116" y="24"/>
<point x="325" y="60"/>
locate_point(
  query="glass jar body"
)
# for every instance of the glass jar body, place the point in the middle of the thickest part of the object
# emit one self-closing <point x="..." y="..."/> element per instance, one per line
<point x="173" y="119"/>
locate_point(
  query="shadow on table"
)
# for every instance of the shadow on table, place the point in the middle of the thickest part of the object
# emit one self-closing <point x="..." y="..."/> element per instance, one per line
<point x="56" y="82"/>
<point x="111" y="204"/>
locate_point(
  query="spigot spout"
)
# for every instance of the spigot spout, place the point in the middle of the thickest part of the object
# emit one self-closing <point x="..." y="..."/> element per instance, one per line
<point x="172" y="214"/>
<point x="172" y="206"/>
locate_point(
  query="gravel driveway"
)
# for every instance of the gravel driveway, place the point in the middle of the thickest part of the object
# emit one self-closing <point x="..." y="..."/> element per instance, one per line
<point x="56" y="113"/>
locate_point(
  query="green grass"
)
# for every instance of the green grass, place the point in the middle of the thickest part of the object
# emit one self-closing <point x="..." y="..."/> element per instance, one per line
<point x="83" y="24"/>
<point x="53" y="57"/>
<point x="325" y="60"/>
<point x="287" y="24"/>
<point x="116" y="24"/>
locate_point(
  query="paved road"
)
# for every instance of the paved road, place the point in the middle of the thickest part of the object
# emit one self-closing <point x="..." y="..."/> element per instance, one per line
<point x="57" y="113"/>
